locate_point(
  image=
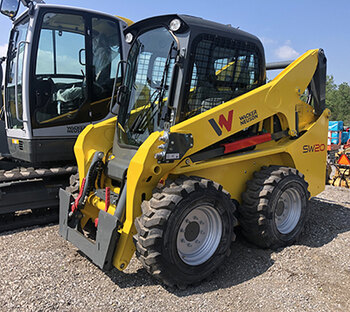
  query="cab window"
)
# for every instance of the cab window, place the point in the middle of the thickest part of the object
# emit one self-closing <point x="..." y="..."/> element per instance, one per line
<point x="15" y="53"/>
<point x="221" y="69"/>
<point x="60" y="72"/>
<point x="105" y="59"/>
<point x="74" y="72"/>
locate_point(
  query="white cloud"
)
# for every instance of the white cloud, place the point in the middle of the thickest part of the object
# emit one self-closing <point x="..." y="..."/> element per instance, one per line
<point x="3" y="50"/>
<point x="286" y="52"/>
<point x="266" y="40"/>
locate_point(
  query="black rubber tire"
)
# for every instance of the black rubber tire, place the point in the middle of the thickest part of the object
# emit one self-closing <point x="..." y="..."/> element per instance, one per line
<point x="259" y="202"/>
<point x="160" y="221"/>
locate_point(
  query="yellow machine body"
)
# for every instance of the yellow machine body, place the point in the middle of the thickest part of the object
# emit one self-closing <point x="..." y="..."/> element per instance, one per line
<point x="281" y="97"/>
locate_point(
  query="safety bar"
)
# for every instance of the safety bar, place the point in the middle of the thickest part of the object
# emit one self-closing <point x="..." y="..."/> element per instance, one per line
<point x="278" y="65"/>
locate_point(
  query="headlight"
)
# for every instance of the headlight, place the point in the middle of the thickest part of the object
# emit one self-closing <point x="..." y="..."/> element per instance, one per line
<point x="128" y="37"/>
<point x="175" y="24"/>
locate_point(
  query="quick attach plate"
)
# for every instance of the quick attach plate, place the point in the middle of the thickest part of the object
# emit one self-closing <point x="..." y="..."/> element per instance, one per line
<point x="102" y="250"/>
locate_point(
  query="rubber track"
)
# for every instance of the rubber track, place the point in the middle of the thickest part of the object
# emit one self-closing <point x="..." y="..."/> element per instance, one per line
<point x="19" y="174"/>
<point x="41" y="214"/>
<point x="155" y="214"/>
<point x="10" y="222"/>
<point x="253" y="213"/>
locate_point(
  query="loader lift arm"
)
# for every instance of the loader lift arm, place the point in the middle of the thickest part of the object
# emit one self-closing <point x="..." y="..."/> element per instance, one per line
<point x="144" y="164"/>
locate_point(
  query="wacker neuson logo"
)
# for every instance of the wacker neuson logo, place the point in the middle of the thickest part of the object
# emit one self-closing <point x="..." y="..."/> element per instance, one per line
<point x="244" y="119"/>
<point x="75" y="129"/>
<point x="224" y="121"/>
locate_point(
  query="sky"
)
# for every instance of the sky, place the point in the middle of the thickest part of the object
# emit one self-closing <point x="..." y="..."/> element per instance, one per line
<point x="286" y="28"/>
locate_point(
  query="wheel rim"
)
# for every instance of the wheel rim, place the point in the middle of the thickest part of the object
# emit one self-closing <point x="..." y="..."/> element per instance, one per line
<point x="199" y="235"/>
<point x="288" y="211"/>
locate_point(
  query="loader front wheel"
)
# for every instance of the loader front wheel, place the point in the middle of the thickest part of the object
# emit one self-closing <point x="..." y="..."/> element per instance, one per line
<point x="185" y="230"/>
<point x="274" y="207"/>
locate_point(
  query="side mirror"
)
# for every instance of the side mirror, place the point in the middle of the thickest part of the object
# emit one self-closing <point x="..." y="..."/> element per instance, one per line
<point x="9" y="7"/>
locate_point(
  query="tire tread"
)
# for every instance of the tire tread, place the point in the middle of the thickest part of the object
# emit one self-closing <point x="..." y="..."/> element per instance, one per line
<point x="254" y="213"/>
<point x="153" y="220"/>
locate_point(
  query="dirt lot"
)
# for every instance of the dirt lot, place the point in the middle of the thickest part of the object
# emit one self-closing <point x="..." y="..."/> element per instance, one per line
<point x="41" y="272"/>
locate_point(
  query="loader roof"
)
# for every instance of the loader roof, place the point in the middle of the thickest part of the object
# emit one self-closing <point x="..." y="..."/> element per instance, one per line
<point x="197" y="25"/>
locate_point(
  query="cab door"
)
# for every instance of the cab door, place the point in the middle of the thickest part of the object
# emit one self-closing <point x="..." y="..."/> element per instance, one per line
<point x="59" y="71"/>
<point x="74" y="71"/>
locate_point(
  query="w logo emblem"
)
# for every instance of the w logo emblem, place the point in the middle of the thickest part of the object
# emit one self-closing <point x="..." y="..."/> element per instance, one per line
<point x="223" y="122"/>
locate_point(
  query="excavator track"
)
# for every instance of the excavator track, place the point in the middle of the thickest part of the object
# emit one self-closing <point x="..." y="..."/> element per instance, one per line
<point x="29" y="196"/>
<point x="18" y="174"/>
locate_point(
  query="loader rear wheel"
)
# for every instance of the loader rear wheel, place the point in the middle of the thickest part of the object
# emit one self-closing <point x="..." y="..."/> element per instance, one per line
<point x="274" y="207"/>
<point x="185" y="230"/>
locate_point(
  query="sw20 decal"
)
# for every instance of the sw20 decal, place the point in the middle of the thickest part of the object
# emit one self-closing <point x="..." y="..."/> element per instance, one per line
<point x="314" y="148"/>
<point x="222" y="122"/>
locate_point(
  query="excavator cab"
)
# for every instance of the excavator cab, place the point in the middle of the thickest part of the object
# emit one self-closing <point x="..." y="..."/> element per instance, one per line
<point x="60" y="71"/>
<point x="199" y="134"/>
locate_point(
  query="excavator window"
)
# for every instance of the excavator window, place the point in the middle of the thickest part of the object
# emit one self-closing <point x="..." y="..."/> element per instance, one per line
<point x="222" y="69"/>
<point x="60" y="67"/>
<point x="74" y="71"/>
<point x="18" y="34"/>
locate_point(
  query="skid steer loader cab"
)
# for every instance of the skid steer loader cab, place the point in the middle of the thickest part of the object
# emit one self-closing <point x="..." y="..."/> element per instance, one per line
<point x="60" y="69"/>
<point x="181" y="66"/>
<point x="199" y="134"/>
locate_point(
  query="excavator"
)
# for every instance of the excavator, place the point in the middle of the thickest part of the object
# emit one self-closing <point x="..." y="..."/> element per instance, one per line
<point x="60" y="72"/>
<point x="201" y="144"/>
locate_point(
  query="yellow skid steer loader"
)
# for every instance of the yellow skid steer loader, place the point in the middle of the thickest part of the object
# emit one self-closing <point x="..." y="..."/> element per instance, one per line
<point x="201" y="144"/>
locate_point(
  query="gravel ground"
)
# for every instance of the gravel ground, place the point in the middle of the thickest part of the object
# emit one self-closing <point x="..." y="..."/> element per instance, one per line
<point x="41" y="272"/>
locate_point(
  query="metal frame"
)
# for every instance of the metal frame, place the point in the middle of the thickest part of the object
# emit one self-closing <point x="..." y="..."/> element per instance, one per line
<point x="100" y="252"/>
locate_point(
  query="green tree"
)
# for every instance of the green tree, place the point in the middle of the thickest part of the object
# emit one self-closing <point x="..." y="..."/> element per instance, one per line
<point x="338" y="100"/>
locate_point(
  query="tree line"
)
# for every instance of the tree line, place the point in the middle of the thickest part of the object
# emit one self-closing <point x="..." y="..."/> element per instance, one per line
<point x="338" y="100"/>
